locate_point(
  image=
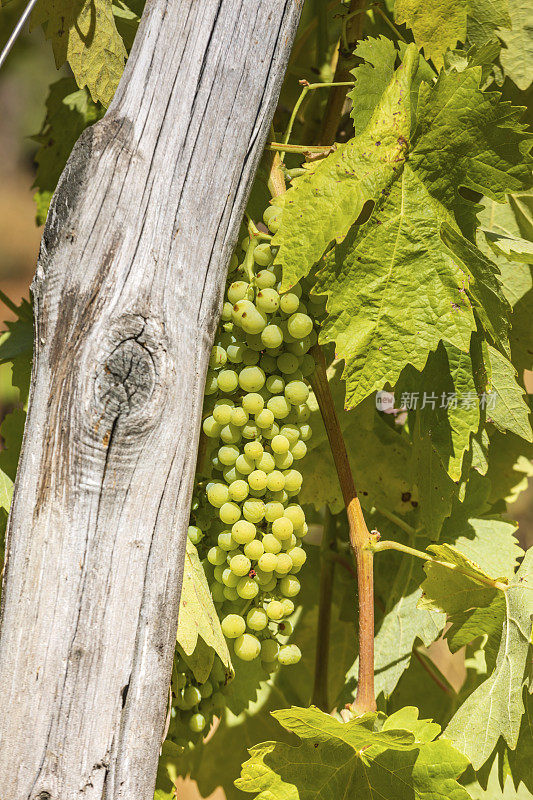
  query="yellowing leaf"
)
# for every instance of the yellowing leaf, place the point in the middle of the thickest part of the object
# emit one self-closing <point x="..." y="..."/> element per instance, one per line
<point x="437" y="26"/>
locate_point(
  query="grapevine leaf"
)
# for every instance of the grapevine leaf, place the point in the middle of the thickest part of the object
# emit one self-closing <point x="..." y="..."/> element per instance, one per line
<point x="513" y="248"/>
<point x="484" y="17"/>
<point x="494" y="791"/>
<point x="417" y="684"/>
<point x="69" y="111"/>
<point x="167" y="771"/>
<point x="436" y="490"/>
<point x="84" y="34"/>
<point x="517" y="54"/>
<point x="371" y="78"/>
<point x="336" y="759"/>
<point x="509" y="412"/>
<point x="197" y="615"/>
<point x="521" y="758"/>
<point x="243" y="688"/>
<point x="12" y="430"/>
<point x="436" y="27"/>
<point x="495" y="708"/>
<point x="510" y="466"/>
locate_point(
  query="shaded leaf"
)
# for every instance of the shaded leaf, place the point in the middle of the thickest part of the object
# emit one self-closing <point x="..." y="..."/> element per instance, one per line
<point x="517" y="54"/>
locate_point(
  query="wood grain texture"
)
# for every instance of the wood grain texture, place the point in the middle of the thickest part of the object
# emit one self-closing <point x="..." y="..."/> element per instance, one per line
<point x="127" y="294"/>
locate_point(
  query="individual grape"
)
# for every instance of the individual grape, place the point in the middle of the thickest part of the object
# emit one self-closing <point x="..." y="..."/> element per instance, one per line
<point x="289" y="302"/>
<point x="227" y="380"/>
<point x="293" y="480"/>
<point x="253" y="510"/>
<point x="226" y="542"/>
<point x="257" y="619"/>
<point x="272" y="336"/>
<point x="230" y="593"/>
<point x="250" y="357"/>
<point x="217" y="592"/>
<point x="280" y="444"/>
<point x="241" y="565"/>
<point x="257" y="479"/>
<point x="229" y="578"/>
<point x="269" y="433"/>
<point x="265" y="279"/>
<point x="271" y="585"/>
<point x="269" y="650"/>
<point x="238" y="491"/>
<point x="300" y="325"/>
<point x="230" y="474"/>
<point x="248" y="317"/>
<point x="288" y="607"/>
<point x="287" y="363"/>
<point x="243" y="531"/>
<point x="254" y="342"/>
<point x="291" y="432"/>
<point x="227" y="311"/>
<point x="245" y="243"/>
<point x="192" y="695"/>
<point x="265" y="418"/>
<point x="268" y="364"/>
<point x="230" y="434"/>
<point x="302" y="413"/>
<point x="275" y="384"/>
<point x="275" y="481"/>
<point x="279" y="406"/>
<point x="247" y="588"/>
<point x="298" y="348"/>
<point x="274" y="610"/>
<point x="267" y="562"/>
<point x="263" y="255"/>
<point x="229" y="513"/>
<point x="267" y="300"/>
<point x="289" y="654"/>
<point x="307" y="365"/>
<point x="222" y="413"/>
<point x="247" y="647"/>
<point x="218" y="356"/>
<point x="274" y="510"/>
<point x="211" y="427"/>
<point x="254" y="549"/>
<point x="217" y="573"/>
<point x="206" y="690"/>
<point x="233" y="626"/>
<point x="272" y="218"/>
<point x="211" y="383"/>
<point x="216" y="556"/>
<point x="299" y="450"/>
<point x="216" y="463"/>
<point x="296" y="392"/>
<point x="282" y="528"/>
<point x="235" y="352"/>
<point x="251" y="379"/>
<point x="195" y="534"/>
<point x="218" y="494"/>
<point x="298" y="556"/>
<point x="244" y="464"/>
<point x="237" y="291"/>
<point x="289" y="586"/>
<point x="295" y="514"/>
<point x="228" y="455"/>
<point x="271" y="545"/>
<point x="284" y="565"/>
<point x="250" y="431"/>
<point x="305" y="432"/>
<point x="253" y="403"/>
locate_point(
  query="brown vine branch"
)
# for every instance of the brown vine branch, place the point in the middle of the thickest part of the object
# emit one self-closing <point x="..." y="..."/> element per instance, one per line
<point x="360" y="537"/>
<point x="327" y="568"/>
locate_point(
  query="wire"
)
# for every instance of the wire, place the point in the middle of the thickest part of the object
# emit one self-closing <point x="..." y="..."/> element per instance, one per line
<point x="16" y="31"/>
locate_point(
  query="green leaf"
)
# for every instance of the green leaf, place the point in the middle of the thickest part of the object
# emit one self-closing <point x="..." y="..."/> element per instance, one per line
<point x="84" y="34"/>
<point x="511" y="247"/>
<point x="495" y="708"/>
<point x="510" y="466"/>
<point x="69" y="111"/>
<point x="198" y="617"/>
<point x="436" y="26"/>
<point x="517" y="54"/>
<point x="371" y="78"/>
<point x="338" y="759"/>
<point x="167" y="771"/>
<point x="436" y="490"/>
<point x="509" y="411"/>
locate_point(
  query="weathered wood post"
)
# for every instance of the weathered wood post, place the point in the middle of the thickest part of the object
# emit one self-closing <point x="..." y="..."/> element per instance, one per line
<point x="127" y="293"/>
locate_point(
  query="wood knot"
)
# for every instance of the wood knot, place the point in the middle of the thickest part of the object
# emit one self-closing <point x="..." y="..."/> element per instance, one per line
<point x="125" y="381"/>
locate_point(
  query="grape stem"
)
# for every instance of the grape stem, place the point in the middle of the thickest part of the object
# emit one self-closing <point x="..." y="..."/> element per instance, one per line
<point x="361" y="539"/>
<point x="319" y="697"/>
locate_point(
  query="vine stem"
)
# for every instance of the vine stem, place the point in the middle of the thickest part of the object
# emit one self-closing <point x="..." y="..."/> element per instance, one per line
<point x="319" y="697"/>
<point x="361" y="539"/>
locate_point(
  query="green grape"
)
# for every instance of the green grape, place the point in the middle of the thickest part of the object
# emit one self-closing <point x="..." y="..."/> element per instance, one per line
<point x="238" y="490"/>
<point x="298" y="450"/>
<point x="256" y="619"/>
<point x="307" y="365"/>
<point x="262" y="577"/>
<point x="206" y="690"/>
<point x="275" y="481"/>
<point x="272" y="218"/>
<point x="271" y="545"/>
<point x="254" y="342"/>
<point x="272" y="336"/>
<point x="253" y="450"/>
<point x="230" y="434"/>
<point x="267" y="562"/>
<point x="274" y="610"/>
<point x="218" y="494"/>
<point x="263" y="255"/>
<point x="302" y="413"/>
<point x="230" y="474"/>
<point x="265" y="279"/>
<point x="266" y="462"/>
<point x="251" y="379"/>
<point x="269" y="649"/>
<point x="233" y="626"/>
<point x="192" y="695"/>
<point x="268" y="363"/>
<point x="253" y="403"/>
<point x="269" y="433"/>
<point x="280" y="444"/>
<point x="284" y="565"/>
<point x="229" y="513"/>
<point x="235" y="352"/>
<point x="227" y="380"/>
<point x="230" y="593"/>
<point x="218" y="356"/>
<point x="282" y="528"/>
<point x="254" y="550"/>
<point x="244" y="464"/>
<point x="239" y="417"/>
<point x="226" y="542"/>
<point x="271" y="585"/>
<point x="217" y="591"/>
<point x="181" y="680"/>
<point x="305" y="432"/>
<point x="211" y="383"/>
<point x="293" y="480"/>
<point x="287" y="363"/>
<point x="288" y="607"/>
<point x="257" y="479"/>
<point x="300" y="325"/>
<point x="217" y="573"/>
<point x="250" y="357"/>
<point x="283" y="460"/>
<point x="227" y="311"/>
<point x="241" y="565"/>
<point x="274" y="510"/>
<point x="237" y="291"/>
<point x="250" y="431"/>
<point x="267" y="300"/>
<point x="247" y="588"/>
<point x="216" y="463"/>
<point x="248" y="317"/>
<point x="222" y="413"/>
<point x="289" y="586"/>
<point x="245" y="243"/>
<point x="298" y="348"/>
<point x="216" y="556"/>
<point x="228" y="455"/>
<point x="296" y="515"/>
<point x="195" y="534"/>
<point x="247" y="647"/>
<point x="243" y="531"/>
<point x="279" y="406"/>
<point x="275" y="384"/>
<point x="296" y="392"/>
<point x="253" y="510"/>
<point x="229" y="578"/>
<point x="289" y="654"/>
<point x="211" y="427"/>
<point x="298" y="556"/>
<point x="289" y="302"/>
<point x="265" y="418"/>
<point x="291" y="432"/>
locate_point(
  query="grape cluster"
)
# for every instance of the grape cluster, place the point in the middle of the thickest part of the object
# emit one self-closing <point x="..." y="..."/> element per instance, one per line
<point x="194" y="703"/>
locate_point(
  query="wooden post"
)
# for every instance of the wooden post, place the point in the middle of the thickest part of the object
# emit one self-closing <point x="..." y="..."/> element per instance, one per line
<point x="127" y="293"/>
